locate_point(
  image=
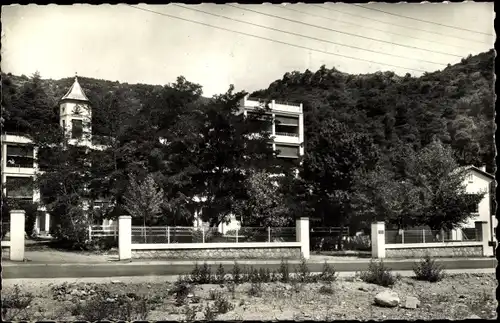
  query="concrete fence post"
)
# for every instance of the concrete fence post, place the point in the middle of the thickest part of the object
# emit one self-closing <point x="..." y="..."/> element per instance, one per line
<point x="378" y="240"/>
<point x="125" y="237"/>
<point x="483" y="230"/>
<point x="302" y="235"/>
<point x="17" y="235"/>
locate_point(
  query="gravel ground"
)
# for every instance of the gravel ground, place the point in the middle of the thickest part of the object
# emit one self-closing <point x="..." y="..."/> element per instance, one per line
<point x="458" y="296"/>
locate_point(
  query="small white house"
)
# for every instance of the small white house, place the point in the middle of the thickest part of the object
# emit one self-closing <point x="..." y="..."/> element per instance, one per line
<point x="476" y="181"/>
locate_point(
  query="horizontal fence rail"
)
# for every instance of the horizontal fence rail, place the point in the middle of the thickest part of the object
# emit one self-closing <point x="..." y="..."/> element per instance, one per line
<point x="103" y="231"/>
<point x="211" y="235"/>
<point x="428" y="236"/>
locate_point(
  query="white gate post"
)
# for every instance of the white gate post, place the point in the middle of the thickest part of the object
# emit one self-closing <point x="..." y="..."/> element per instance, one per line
<point x="483" y="230"/>
<point x="302" y="235"/>
<point x="17" y="235"/>
<point x="125" y="237"/>
<point x="378" y="240"/>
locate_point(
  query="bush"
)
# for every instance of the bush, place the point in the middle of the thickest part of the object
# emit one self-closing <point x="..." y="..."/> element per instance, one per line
<point x="222" y="305"/>
<point x="213" y="294"/>
<point x="15" y="305"/>
<point x="303" y="273"/>
<point x="328" y="274"/>
<point x="378" y="274"/>
<point x="201" y="275"/>
<point x="181" y="289"/>
<point x="220" y="275"/>
<point x="255" y="290"/>
<point x="120" y="308"/>
<point x="326" y="289"/>
<point x="209" y="313"/>
<point x="237" y="273"/>
<point x="284" y="271"/>
<point x="190" y="313"/>
<point x="428" y="270"/>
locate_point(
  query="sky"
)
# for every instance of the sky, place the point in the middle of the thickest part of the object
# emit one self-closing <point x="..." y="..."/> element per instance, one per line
<point x="126" y="44"/>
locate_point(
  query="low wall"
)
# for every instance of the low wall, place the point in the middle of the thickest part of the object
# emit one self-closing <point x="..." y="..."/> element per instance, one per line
<point x="287" y="250"/>
<point x="434" y="250"/>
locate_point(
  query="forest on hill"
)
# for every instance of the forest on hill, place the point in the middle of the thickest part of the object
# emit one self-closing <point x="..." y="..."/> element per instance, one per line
<point x="456" y="105"/>
<point x="377" y="146"/>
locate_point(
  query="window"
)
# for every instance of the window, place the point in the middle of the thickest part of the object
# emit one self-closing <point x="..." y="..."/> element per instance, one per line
<point x="287" y="121"/>
<point x="76" y="129"/>
<point x="470" y="178"/>
<point x="473" y="207"/>
<point x="19" y="187"/>
<point x="20" y="156"/>
<point x="64" y="124"/>
<point x="287" y="151"/>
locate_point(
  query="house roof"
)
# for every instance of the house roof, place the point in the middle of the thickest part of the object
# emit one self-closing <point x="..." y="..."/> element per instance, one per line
<point x="75" y="92"/>
<point x="478" y="170"/>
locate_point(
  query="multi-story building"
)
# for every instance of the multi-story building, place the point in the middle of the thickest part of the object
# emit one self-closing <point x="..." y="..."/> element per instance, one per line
<point x="287" y="128"/>
<point x="18" y="160"/>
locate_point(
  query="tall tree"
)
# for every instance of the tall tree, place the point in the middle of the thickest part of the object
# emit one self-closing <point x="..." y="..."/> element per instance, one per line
<point x="334" y="157"/>
<point x="143" y="199"/>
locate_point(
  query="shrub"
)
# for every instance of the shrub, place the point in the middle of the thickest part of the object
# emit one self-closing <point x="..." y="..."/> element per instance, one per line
<point x="190" y="313"/>
<point x="15" y="305"/>
<point x="209" y="314"/>
<point x="284" y="271"/>
<point x="222" y="305"/>
<point x="328" y="274"/>
<point x="231" y="287"/>
<point x="378" y="274"/>
<point x="236" y="273"/>
<point x="428" y="270"/>
<point x="201" y="275"/>
<point x="181" y="289"/>
<point x="121" y="307"/>
<point x="220" y="275"/>
<point x="213" y="294"/>
<point x="326" y="289"/>
<point x="255" y="290"/>
<point x="303" y="273"/>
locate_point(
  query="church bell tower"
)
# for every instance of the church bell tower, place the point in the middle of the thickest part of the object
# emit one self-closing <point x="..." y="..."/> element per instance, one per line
<point x="75" y="115"/>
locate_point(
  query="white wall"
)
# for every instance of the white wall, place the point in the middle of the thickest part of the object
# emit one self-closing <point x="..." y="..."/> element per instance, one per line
<point x="480" y="183"/>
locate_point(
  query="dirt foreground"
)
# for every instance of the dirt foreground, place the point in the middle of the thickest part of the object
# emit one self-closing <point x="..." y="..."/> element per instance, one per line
<point x="458" y="296"/>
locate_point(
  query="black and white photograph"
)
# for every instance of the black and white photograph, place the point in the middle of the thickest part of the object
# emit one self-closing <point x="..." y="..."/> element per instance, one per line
<point x="248" y="162"/>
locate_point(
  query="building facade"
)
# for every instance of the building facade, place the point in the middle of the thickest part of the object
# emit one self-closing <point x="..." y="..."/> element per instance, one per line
<point x="18" y="160"/>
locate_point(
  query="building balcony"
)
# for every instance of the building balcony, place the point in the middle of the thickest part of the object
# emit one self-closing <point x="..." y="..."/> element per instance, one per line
<point x="17" y="170"/>
<point x="278" y="106"/>
<point x="286" y="138"/>
<point x="15" y="137"/>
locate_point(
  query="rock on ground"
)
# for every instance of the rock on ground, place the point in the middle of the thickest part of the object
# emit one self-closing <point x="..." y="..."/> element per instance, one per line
<point x="387" y="299"/>
<point x="412" y="302"/>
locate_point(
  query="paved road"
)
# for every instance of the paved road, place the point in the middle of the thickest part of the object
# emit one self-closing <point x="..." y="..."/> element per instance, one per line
<point x="165" y="268"/>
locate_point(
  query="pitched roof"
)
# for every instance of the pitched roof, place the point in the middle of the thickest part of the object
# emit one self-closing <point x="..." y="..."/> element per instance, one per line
<point x="75" y="92"/>
<point x="479" y="170"/>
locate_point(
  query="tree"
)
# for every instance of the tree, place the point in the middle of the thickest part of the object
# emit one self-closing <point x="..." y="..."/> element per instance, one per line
<point x="335" y="155"/>
<point x="220" y="150"/>
<point x="143" y="199"/>
<point x="448" y="205"/>
<point x="265" y="204"/>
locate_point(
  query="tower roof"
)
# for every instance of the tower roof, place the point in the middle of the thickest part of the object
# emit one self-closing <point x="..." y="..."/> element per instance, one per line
<point x="75" y="92"/>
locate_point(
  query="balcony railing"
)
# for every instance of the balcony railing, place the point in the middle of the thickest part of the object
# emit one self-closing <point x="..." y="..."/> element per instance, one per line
<point x="287" y="103"/>
<point x="288" y="134"/>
